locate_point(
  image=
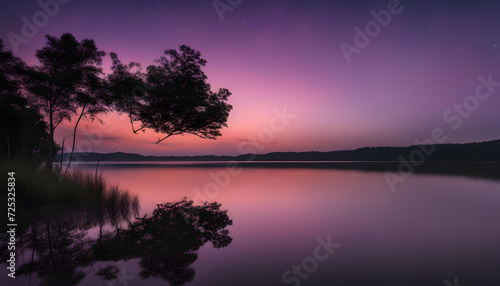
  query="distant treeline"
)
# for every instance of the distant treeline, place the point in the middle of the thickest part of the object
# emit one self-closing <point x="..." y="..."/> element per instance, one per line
<point x="484" y="151"/>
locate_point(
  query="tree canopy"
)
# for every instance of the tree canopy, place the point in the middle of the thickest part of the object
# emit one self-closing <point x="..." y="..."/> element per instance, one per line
<point x="56" y="85"/>
<point x="23" y="131"/>
<point x="172" y="97"/>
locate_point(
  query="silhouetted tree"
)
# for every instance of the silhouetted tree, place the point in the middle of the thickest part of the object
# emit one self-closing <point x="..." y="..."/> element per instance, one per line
<point x="173" y="97"/>
<point x="92" y="101"/>
<point x="167" y="242"/>
<point x="128" y="88"/>
<point x="25" y="132"/>
<point x="65" y="63"/>
<point x="22" y="129"/>
<point x="9" y="65"/>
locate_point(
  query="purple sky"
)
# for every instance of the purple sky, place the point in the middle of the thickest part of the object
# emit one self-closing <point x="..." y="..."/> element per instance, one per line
<point x="277" y="54"/>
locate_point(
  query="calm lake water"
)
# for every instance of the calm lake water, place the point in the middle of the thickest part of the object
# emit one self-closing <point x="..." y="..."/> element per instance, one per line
<point x="309" y="226"/>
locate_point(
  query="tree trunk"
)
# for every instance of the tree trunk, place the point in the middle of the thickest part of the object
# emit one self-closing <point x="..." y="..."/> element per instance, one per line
<point x="74" y="139"/>
<point x="62" y="154"/>
<point x="50" y="246"/>
<point x="51" y="129"/>
<point x="33" y="230"/>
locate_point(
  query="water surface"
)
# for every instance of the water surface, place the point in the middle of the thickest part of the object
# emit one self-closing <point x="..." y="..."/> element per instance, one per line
<point x="430" y="231"/>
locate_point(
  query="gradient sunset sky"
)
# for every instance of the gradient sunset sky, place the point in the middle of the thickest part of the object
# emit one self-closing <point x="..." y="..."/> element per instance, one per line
<point x="286" y="54"/>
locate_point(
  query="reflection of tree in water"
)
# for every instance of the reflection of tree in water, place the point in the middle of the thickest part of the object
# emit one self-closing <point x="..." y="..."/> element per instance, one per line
<point x="56" y="253"/>
<point x="165" y="243"/>
<point x="57" y="240"/>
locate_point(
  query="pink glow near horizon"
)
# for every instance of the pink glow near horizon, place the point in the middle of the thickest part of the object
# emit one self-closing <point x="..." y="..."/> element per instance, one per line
<point x="283" y="54"/>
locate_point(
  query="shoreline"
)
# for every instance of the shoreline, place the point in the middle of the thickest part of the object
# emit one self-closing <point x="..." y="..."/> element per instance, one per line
<point x="480" y="169"/>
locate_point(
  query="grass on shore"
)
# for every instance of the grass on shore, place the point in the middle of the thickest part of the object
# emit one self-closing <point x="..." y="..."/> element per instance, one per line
<point x="37" y="186"/>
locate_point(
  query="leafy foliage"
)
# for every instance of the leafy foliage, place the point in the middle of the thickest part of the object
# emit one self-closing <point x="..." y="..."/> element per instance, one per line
<point x="172" y="97"/>
<point x="22" y="129"/>
<point x="61" y="82"/>
<point x="127" y="87"/>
